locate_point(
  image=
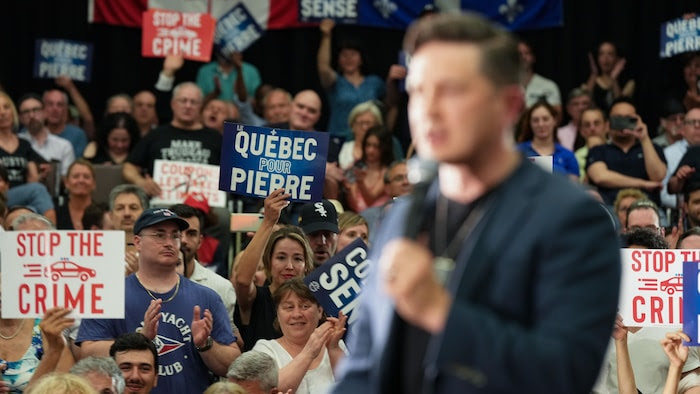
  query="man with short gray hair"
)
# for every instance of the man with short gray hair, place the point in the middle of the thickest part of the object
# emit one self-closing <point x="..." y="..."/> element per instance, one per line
<point x="184" y="139"/>
<point x="254" y="371"/>
<point x="102" y="373"/>
<point x="126" y="203"/>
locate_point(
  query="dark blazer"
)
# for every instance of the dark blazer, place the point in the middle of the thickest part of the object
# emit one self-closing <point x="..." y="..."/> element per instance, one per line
<point x="533" y="308"/>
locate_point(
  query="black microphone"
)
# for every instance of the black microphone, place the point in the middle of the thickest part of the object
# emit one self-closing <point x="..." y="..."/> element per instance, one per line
<point x="421" y="173"/>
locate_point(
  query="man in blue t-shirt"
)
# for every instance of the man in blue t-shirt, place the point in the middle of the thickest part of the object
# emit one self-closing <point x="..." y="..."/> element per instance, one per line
<point x="187" y="322"/>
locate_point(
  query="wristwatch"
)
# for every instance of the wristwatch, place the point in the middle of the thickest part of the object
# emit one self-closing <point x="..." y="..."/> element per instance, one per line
<point x="206" y="347"/>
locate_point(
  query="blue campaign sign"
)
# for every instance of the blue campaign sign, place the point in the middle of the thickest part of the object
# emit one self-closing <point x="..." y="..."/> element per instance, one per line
<point x="679" y="36"/>
<point x="236" y="30"/>
<point x="54" y="58"/>
<point x="257" y="160"/>
<point x="338" y="282"/>
<point x="519" y="14"/>
<point x="691" y="301"/>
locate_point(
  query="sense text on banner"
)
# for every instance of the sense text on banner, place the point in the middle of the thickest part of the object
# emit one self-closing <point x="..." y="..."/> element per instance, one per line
<point x="81" y="270"/>
<point x="651" y="294"/>
<point x="257" y="160"/>
<point x="337" y="283"/>
<point x="188" y="34"/>
<point x="55" y="58"/>
<point x="177" y="179"/>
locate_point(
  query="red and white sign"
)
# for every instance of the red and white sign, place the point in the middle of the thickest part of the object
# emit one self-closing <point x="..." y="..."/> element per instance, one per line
<point x="189" y="34"/>
<point x="651" y="294"/>
<point x="177" y="179"/>
<point x="81" y="270"/>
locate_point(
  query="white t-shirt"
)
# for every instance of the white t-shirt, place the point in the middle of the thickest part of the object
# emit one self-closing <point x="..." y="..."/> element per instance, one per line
<point x="316" y="381"/>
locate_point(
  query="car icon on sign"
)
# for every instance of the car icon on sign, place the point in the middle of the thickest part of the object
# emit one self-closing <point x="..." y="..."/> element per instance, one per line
<point x="68" y="269"/>
<point x="672" y="285"/>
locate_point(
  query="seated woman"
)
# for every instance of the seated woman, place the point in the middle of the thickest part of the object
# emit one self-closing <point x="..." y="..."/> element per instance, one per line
<point x="116" y="138"/>
<point x="537" y="139"/>
<point x="307" y="352"/>
<point x="286" y="254"/>
<point x="367" y="188"/>
<point x="80" y="183"/>
<point x="20" y="174"/>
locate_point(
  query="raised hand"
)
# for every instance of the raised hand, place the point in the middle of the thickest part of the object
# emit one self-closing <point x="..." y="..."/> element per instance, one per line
<point x="674" y="348"/>
<point x="274" y="204"/>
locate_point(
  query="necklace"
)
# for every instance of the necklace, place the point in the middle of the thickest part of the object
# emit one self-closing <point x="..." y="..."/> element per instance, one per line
<point x="16" y="332"/>
<point x="444" y="263"/>
<point x="177" y="288"/>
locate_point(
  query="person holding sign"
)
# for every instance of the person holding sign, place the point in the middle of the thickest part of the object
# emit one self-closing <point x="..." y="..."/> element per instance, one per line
<point x="30" y="348"/>
<point x="309" y="348"/>
<point x="184" y="139"/>
<point x="350" y="85"/>
<point x="485" y="279"/>
<point x="285" y="254"/>
<point x="188" y="321"/>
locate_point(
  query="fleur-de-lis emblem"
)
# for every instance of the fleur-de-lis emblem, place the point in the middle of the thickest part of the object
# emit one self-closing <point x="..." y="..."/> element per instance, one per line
<point x="385" y="7"/>
<point x="510" y="10"/>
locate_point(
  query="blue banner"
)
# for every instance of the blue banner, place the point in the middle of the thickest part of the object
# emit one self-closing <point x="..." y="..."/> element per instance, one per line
<point x="337" y="283"/>
<point x="679" y="36"/>
<point x="257" y="160"/>
<point x="691" y="301"/>
<point x="341" y="11"/>
<point x="54" y="58"/>
<point x="511" y="14"/>
<point x="236" y="30"/>
<point x="519" y="14"/>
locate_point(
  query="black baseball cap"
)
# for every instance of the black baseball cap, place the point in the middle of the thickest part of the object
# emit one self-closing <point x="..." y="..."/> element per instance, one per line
<point x="154" y="216"/>
<point x="317" y="216"/>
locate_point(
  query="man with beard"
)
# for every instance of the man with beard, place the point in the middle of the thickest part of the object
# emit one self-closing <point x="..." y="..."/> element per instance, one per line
<point x="137" y="358"/>
<point x="630" y="159"/>
<point x="196" y="272"/>
<point x="319" y="221"/>
<point x="49" y="146"/>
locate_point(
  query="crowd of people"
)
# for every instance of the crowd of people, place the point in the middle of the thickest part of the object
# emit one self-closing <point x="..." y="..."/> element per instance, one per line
<point x="198" y="320"/>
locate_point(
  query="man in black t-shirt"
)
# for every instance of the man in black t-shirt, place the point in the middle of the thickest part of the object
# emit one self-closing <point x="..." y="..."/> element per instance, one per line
<point x="184" y="139"/>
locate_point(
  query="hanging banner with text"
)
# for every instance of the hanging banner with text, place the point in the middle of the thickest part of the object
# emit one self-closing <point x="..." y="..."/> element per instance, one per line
<point x="236" y="30"/>
<point x="177" y="179"/>
<point x="338" y="282"/>
<point x="691" y="301"/>
<point x="651" y="294"/>
<point x="55" y="58"/>
<point x="679" y="36"/>
<point x="342" y="11"/>
<point x="189" y="34"/>
<point x="257" y="160"/>
<point x="81" y="270"/>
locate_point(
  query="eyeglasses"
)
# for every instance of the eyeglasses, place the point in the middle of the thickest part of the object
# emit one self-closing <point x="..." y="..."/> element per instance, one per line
<point x="692" y="122"/>
<point x="31" y="111"/>
<point x="162" y="237"/>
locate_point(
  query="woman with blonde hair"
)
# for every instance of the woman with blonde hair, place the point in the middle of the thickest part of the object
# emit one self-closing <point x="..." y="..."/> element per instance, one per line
<point x="286" y="254"/>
